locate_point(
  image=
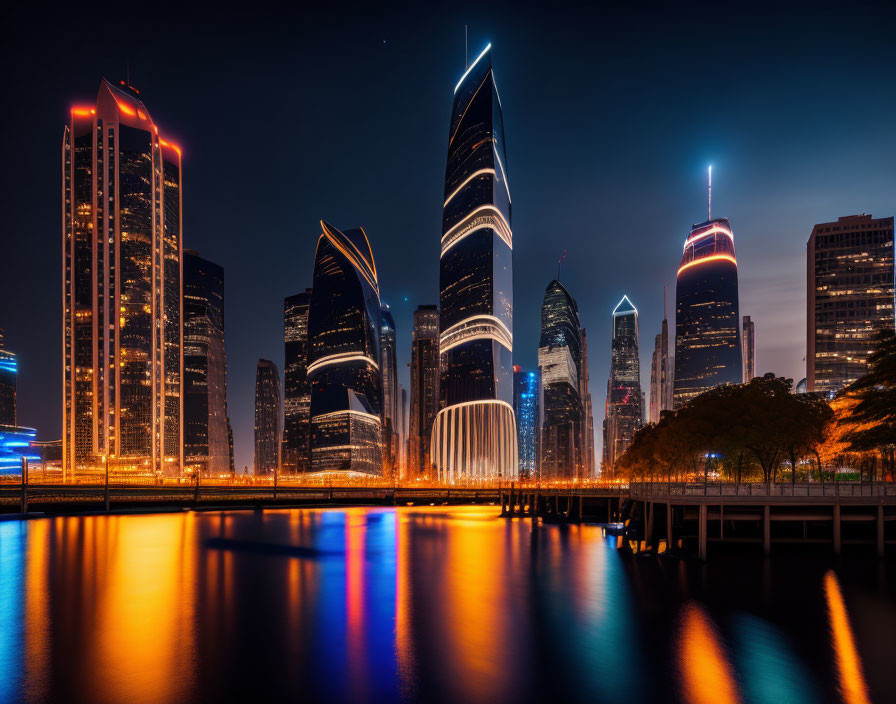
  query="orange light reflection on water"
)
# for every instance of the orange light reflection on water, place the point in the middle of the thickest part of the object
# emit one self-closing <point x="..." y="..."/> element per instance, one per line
<point x="706" y="675"/>
<point x="849" y="664"/>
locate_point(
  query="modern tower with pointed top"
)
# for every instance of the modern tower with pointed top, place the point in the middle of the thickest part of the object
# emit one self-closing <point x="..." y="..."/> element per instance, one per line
<point x="122" y="305"/>
<point x="344" y="362"/>
<point x="625" y="400"/>
<point x="474" y="434"/>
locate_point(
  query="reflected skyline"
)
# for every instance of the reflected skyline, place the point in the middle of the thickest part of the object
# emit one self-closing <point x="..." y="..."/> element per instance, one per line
<point x="413" y="603"/>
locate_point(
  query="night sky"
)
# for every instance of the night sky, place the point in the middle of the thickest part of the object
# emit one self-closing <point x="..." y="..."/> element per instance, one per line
<point x="611" y="118"/>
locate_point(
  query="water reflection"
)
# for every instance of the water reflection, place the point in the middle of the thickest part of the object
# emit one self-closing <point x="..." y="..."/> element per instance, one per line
<point x="422" y="604"/>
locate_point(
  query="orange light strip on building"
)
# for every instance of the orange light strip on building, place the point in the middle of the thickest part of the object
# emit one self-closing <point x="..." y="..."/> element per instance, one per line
<point x="126" y="109"/>
<point x="714" y="257"/>
<point x="83" y="112"/>
<point x="711" y="231"/>
<point x="169" y="144"/>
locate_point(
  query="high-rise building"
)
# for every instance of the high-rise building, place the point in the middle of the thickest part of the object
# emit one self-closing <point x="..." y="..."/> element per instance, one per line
<point x="296" y="389"/>
<point x="389" y="369"/>
<point x="474" y="434"/>
<point x="587" y="412"/>
<point x="267" y="418"/>
<point x="849" y="298"/>
<point x="424" y="389"/>
<point x="748" y="344"/>
<point x="527" y="409"/>
<point x="344" y="359"/>
<point x="625" y="400"/>
<point x="707" y="322"/>
<point x="660" y="375"/>
<point x="122" y="327"/>
<point x="206" y="446"/>
<point x="402" y="432"/>
<point x="560" y="365"/>
<point x="8" y="371"/>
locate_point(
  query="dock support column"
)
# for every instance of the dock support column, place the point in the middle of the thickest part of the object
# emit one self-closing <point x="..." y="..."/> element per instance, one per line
<point x="766" y="530"/>
<point x="24" y="485"/>
<point x="880" y="530"/>
<point x="648" y="512"/>
<point x="668" y="525"/>
<point x="836" y="529"/>
<point x="701" y="533"/>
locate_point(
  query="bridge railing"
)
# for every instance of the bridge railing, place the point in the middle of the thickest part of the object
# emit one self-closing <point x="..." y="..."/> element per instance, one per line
<point x="764" y="489"/>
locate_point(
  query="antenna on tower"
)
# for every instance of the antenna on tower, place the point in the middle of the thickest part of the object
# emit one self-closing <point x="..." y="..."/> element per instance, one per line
<point x="664" y="302"/>
<point x="710" y="191"/>
<point x="466" y="50"/>
<point x="559" y="262"/>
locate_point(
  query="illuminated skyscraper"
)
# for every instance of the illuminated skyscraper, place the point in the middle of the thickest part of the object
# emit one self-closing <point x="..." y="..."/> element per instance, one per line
<point x="850" y="298"/>
<point x="527" y="409"/>
<point x="8" y="371"/>
<point x="474" y="435"/>
<point x="389" y="369"/>
<point x="424" y="388"/>
<point x="748" y="344"/>
<point x="560" y="366"/>
<point x="707" y="322"/>
<point x="121" y="253"/>
<point x="267" y="418"/>
<point x="206" y="446"/>
<point x="587" y="412"/>
<point x="344" y="330"/>
<point x="660" y="375"/>
<point x="625" y="401"/>
<point x="296" y="389"/>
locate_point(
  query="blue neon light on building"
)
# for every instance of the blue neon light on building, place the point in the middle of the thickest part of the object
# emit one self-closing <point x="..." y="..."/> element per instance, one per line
<point x="15" y="443"/>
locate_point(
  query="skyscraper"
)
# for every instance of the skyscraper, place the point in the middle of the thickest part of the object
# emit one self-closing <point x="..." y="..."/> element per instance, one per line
<point x="660" y="374"/>
<point x="587" y="412"/>
<point x="344" y="360"/>
<point x="121" y="237"/>
<point x="8" y="371"/>
<point x="527" y="408"/>
<point x="296" y="389"/>
<point x="707" y="322"/>
<point x="748" y="345"/>
<point x="560" y="364"/>
<point x="389" y="369"/>
<point x="474" y="434"/>
<point x="267" y="418"/>
<point x="206" y="445"/>
<point x="424" y="388"/>
<point x="849" y="298"/>
<point x="625" y="401"/>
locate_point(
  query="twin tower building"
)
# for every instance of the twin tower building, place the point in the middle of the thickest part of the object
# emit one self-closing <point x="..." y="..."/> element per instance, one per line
<point x="142" y="369"/>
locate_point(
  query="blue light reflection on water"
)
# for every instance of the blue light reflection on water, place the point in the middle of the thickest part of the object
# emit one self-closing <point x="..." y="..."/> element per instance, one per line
<point x="13" y="535"/>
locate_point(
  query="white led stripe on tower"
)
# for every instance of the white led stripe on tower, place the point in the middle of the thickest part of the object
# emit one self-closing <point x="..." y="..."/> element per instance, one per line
<point x="485" y="216"/>
<point x="339" y="359"/>
<point x="477" y="327"/>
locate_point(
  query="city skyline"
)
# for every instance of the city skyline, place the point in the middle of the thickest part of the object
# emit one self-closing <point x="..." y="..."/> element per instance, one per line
<point x="751" y="217"/>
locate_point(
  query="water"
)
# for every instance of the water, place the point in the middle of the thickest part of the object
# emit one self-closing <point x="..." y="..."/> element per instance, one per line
<point x="423" y="604"/>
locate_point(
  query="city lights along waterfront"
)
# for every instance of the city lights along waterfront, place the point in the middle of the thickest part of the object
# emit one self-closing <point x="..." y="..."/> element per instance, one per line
<point x="426" y="512"/>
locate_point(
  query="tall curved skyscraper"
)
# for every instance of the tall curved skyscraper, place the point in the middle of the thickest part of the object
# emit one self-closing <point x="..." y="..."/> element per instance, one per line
<point x="344" y="355"/>
<point x="707" y="321"/>
<point x="474" y="434"/>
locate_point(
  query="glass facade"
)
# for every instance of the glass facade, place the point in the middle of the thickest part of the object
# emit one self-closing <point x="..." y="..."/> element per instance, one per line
<point x="8" y="372"/>
<point x="122" y="298"/>
<point x="707" y="322"/>
<point x="476" y="289"/>
<point x="560" y="363"/>
<point x="850" y="298"/>
<point x="389" y="368"/>
<point x="297" y="390"/>
<point x="749" y="348"/>
<point x="527" y="409"/>
<point x="206" y="444"/>
<point x="344" y="329"/>
<point x="267" y="418"/>
<point x="625" y="401"/>
<point x="660" y="376"/>
<point x="424" y="401"/>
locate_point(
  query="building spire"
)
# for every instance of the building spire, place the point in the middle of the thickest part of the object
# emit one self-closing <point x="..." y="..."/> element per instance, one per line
<point x="710" y="191"/>
<point x="664" y="302"/>
<point x="559" y="262"/>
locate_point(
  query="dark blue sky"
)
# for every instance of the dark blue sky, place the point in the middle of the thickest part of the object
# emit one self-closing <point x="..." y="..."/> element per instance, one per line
<point x="611" y="117"/>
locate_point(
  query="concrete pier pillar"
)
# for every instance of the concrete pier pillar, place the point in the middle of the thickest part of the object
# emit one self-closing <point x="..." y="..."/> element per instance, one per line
<point x="648" y="513"/>
<point x="766" y="530"/>
<point x="701" y="533"/>
<point x="881" y="546"/>
<point x="837" y="541"/>
<point x="668" y="525"/>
